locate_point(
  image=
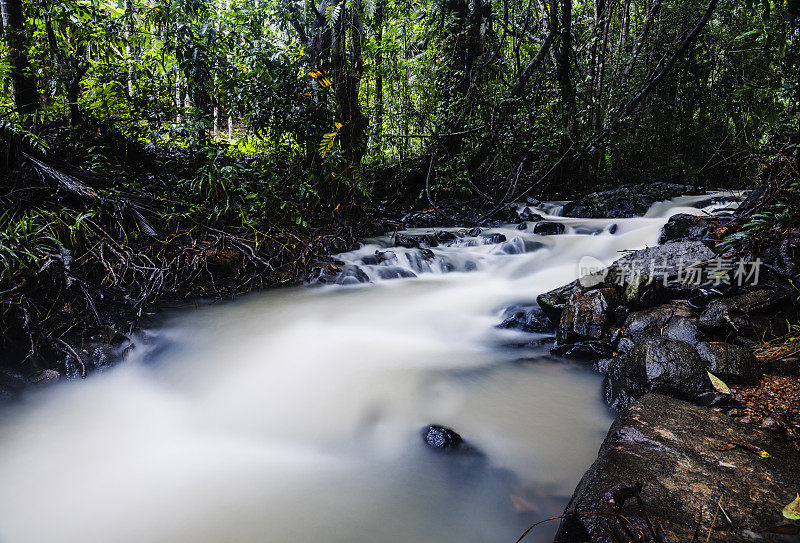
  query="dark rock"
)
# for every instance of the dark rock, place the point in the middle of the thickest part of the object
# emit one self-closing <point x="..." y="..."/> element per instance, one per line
<point x="394" y="272"/>
<point x="553" y="302"/>
<point x="475" y="232"/>
<point x="45" y="377"/>
<point x="689" y="227"/>
<point x="651" y="275"/>
<point x="783" y="366"/>
<point x="731" y="363"/>
<point x="625" y="200"/>
<point x="648" y="322"/>
<point x="681" y="456"/>
<point x="444" y="236"/>
<point x="683" y="329"/>
<point x="410" y="242"/>
<point x="522" y="226"/>
<point x="351" y="275"/>
<point x="443" y="439"/>
<point x="621" y="314"/>
<point x="586" y="315"/>
<point x="656" y="365"/>
<point x="548" y="228"/>
<point x="529" y="215"/>
<point x="494" y="238"/>
<point x="583" y="350"/>
<point x="612" y="229"/>
<point x="756" y="314"/>
<point x="528" y="318"/>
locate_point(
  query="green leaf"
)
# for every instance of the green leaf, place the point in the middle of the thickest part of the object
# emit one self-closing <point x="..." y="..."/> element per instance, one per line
<point x="720" y="387"/>
<point x="792" y="511"/>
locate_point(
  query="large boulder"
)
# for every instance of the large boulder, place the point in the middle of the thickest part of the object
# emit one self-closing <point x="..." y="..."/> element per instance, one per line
<point x="759" y="314"/>
<point x="692" y="464"/>
<point x="624" y="200"/>
<point x="656" y="365"/>
<point x="586" y="315"/>
<point x="654" y="274"/>
<point x="690" y="227"/>
<point x="553" y="302"/>
<point x="731" y="363"/>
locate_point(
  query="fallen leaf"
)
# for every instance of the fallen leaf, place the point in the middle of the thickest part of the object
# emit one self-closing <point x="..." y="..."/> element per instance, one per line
<point x="720" y="387"/>
<point x="792" y="511"/>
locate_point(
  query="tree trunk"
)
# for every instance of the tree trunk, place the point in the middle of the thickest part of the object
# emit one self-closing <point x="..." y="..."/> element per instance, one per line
<point x="379" y="14"/>
<point x="26" y="97"/>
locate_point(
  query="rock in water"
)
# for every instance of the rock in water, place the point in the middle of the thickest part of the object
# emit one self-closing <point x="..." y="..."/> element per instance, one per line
<point x="686" y="459"/>
<point x="548" y="228"/>
<point x="625" y="200"/>
<point x="689" y="227"/>
<point x="586" y="315"/>
<point x="443" y="439"/>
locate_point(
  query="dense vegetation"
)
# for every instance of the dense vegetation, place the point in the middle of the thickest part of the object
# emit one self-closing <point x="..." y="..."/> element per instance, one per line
<point x="191" y="146"/>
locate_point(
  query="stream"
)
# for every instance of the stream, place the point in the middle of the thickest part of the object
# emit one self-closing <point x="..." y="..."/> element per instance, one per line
<point x="295" y="414"/>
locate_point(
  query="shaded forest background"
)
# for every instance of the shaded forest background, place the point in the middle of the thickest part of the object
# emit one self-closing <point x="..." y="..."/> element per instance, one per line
<point x="170" y="149"/>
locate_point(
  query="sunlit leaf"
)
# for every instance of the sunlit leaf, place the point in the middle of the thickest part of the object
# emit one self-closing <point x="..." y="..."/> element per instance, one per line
<point x="792" y="511"/>
<point x="719" y="386"/>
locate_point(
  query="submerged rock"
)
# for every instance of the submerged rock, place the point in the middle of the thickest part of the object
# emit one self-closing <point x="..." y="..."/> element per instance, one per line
<point x="686" y="459"/>
<point x="625" y="200"/>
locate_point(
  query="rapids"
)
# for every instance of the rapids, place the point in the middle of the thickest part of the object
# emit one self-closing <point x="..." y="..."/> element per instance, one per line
<point x="294" y="414"/>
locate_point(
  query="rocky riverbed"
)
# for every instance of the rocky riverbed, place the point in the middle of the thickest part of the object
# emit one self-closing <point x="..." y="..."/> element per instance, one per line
<point x="671" y="327"/>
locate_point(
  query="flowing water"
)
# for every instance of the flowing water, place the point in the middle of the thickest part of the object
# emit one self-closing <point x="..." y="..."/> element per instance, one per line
<point x="295" y="415"/>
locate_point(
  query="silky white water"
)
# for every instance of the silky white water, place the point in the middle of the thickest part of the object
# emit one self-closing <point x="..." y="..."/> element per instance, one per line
<point x="294" y="415"/>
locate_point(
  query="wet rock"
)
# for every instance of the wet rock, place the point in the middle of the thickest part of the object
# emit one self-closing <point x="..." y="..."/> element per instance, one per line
<point x="684" y="463"/>
<point x="351" y="275"/>
<point x="494" y="238"/>
<point x="529" y="215"/>
<point x="689" y="227"/>
<point x="443" y="439"/>
<point x="445" y="236"/>
<point x="522" y="226"/>
<point x="553" y="302"/>
<point x="475" y="232"/>
<point x="756" y="314"/>
<point x="394" y="272"/>
<point x="528" y="318"/>
<point x="683" y="329"/>
<point x="45" y="377"/>
<point x="731" y="363"/>
<point x="583" y="350"/>
<point x="656" y="365"/>
<point x="548" y="228"/>
<point x="652" y="275"/>
<point x="586" y="230"/>
<point x="625" y="200"/>
<point x="586" y="315"/>
<point x="648" y="322"/>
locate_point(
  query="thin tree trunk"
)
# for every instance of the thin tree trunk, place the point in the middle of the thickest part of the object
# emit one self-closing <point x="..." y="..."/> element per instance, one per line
<point x="26" y="97"/>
